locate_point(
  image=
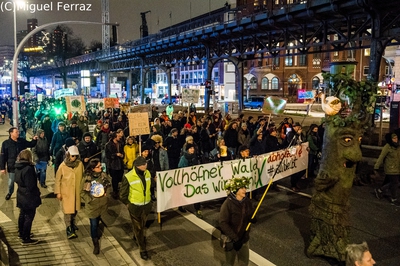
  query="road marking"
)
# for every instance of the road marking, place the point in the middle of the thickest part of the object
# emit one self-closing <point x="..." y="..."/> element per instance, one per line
<point x="254" y="257"/>
<point x="4" y="218"/>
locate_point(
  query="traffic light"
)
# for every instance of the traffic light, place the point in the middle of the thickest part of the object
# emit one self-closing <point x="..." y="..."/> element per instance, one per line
<point x="207" y="85"/>
<point x="389" y="86"/>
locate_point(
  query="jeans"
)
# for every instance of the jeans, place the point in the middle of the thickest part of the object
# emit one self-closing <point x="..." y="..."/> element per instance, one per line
<point x="25" y="221"/>
<point x="94" y="227"/>
<point x="41" y="167"/>
<point x="116" y="177"/>
<point x="392" y="185"/>
<point x="242" y="254"/>
<point x="11" y="180"/>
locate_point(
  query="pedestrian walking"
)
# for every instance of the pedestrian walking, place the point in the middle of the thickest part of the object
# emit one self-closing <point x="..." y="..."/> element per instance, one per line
<point x="390" y="158"/>
<point x="115" y="165"/>
<point x="235" y="214"/>
<point x="41" y="156"/>
<point x="67" y="187"/>
<point x="135" y="194"/>
<point x="9" y="152"/>
<point x="94" y="193"/>
<point x="28" y="195"/>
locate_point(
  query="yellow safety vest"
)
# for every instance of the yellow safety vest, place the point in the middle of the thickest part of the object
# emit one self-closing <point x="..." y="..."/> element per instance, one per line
<point x="137" y="195"/>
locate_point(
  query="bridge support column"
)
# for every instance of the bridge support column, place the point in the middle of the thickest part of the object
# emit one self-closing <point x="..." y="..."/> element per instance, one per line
<point x="169" y="81"/>
<point x="377" y="49"/>
<point x="129" y="86"/>
<point x="240" y="83"/>
<point x="106" y="82"/>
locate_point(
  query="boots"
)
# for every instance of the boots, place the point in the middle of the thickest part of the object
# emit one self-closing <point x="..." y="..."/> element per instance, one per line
<point x="71" y="233"/>
<point x="96" y="245"/>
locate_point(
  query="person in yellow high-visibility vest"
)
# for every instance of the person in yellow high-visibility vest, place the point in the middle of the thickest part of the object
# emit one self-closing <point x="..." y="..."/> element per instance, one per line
<point x="135" y="194"/>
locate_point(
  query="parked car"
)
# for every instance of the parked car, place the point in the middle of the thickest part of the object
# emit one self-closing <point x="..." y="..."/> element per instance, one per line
<point x="254" y="102"/>
<point x="175" y="100"/>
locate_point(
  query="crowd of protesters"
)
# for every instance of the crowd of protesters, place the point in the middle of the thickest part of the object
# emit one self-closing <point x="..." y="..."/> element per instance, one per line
<point x="176" y="139"/>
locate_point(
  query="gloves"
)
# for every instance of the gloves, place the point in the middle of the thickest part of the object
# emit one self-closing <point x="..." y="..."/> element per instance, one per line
<point x="238" y="245"/>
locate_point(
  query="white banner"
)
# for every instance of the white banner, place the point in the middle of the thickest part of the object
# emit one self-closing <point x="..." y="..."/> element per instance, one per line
<point x="204" y="182"/>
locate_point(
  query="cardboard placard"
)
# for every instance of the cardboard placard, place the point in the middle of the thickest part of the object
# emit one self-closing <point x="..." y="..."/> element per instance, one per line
<point x="138" y="124"/>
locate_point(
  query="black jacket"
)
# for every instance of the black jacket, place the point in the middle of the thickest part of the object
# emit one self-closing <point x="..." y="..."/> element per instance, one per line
<point x="10" y="150"/>
<point x="28" y="193"/>
<point x="234" y="218"/>
<point x="86" y="150"/>
<point x="113" y="161"/>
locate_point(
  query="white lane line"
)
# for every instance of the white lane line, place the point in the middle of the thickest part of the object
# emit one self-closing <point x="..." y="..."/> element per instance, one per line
<point x="4" y="218"/>
<point x="254" y="257"/>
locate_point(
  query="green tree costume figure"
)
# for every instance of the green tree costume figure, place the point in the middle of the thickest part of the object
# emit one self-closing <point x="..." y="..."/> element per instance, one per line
<point x="347" y="117"/>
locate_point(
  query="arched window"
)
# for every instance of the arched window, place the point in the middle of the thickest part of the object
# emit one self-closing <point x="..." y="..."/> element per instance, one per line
<point x="315" y="83"/>
<point x="275" y="83"/>
<point x="265" y="84"/>
<point x="253" y="83"/>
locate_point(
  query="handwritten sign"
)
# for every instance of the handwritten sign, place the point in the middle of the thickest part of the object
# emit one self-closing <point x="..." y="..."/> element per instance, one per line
<point x="204" y="182"/>
<point x="303" y="94"/>
<point x="111" y="103"/>
<point x="138" y="124"/>
<point x="274" y="105"/>
<point x="190" y="95"/>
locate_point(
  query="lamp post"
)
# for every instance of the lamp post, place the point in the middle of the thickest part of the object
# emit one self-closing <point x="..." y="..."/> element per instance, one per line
<point x="293" y="82"/>
<point x="18" y="50"/>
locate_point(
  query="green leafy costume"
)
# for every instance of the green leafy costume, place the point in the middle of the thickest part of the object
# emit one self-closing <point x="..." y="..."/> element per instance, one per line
<point x="341" y="151"/>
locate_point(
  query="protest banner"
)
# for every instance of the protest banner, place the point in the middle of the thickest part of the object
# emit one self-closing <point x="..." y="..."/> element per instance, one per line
<point x="204" y="182"/>
<point x="274" y="105"/>
<point x="143" y="108"/>
<point x="190" y="95"/>
<point x="111" y="103"/>
<point x="138" y="124"/>
<point x="75" y="104"/>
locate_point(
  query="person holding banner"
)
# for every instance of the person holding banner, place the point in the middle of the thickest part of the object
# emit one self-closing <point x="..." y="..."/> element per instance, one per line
<point x="135" y="194"/>
<point x="235" y="214"/>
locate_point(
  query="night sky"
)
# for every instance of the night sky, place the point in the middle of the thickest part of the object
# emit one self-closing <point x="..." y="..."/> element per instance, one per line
<point x="125" y="12"/>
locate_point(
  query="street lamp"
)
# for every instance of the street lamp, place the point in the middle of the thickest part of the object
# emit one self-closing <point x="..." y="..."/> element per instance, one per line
<point x="18" y="50"/>
<point x="293" y="82"/>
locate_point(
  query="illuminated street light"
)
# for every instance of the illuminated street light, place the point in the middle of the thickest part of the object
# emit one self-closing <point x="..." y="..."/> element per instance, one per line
<point x="15" y="105"/>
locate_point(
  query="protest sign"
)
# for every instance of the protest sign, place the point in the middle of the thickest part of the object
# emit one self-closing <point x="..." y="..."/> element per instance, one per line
<point x="204" y="182"/>
<point x="274" y="105"/>
<point x="75" y="104"/>
<point x="111" y="103"/>
<point x="138" y="124"/>
<point x="190" y="95"/>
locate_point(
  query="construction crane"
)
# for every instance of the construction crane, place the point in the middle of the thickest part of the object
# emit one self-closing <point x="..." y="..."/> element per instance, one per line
<point x="105" y="19"/>
<point x="144" y="30"/>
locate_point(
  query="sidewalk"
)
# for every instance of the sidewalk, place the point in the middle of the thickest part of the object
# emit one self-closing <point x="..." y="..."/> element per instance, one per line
<point x="48" y="226"/>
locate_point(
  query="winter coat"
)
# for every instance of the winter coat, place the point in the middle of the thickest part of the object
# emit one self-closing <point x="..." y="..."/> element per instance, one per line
<point x="54" y="125"/>
<point x="95" y="207"/>
<point x="313" y="143"/>
<point x="272" y="144"/>
<point x="28" y="193"/>
<point x="390" y="158"/>
<point x="231" y="138"/>
<point x="86" y="150"/>
<point x="113" y="161"/>
<point x="83" y="126"/>
<point x="205" y="140"/>
<point x="48" y="132"/>
<point x="130" y="154"/>
<point x="163" y="159"/>
<point x="68" y="184"/>
<point x="188" y="160"/>
<point x="75" y="132"/>
<point x="102" y="139"/>
<point x="10" y="150"/>
<point x="243" y="138"/>
<point x="41" y="150"/>
<point x="57" y="141"/>
<point x="257" y="147"/>
<point x="234" y="218"/>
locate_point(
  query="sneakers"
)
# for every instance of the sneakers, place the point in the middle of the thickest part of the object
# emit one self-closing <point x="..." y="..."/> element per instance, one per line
<point x="144" y="255"/>
<point x="378" y="193"/>
<point x="20" y="237"/>
<point x="43" y="185"/>
<point x="395" y="202"/>
<point x="71" y="233"/>
<point x="8" y="196"/>
<point x="199" y="214"/>
<point x="29" y="241"/>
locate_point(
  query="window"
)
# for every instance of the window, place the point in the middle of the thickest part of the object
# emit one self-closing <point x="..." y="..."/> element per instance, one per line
<point x="315" y="83"/>
<point x="264" y="84"/>
<point x="302" y="60"/>
<point x="275" y="84"/>
<point x="275" y="61"/>
<point x="253" y="83"/>
<point x="289" y="61"/>
<point x="366" y="71"/>
<point x="367" y="52"/>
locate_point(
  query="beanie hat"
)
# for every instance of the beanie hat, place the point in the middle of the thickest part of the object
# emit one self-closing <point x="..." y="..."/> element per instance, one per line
<point x="69" y="142"/>
<point x="73" y="122"/>
<point x="99" y="122"/>
<point x="189" y="145"/>
<point x="87" y="134"/>
<point x="61" y="124"/>
<point x="73" y="150"/>
<point x="139" y="161"/>
<point x="243" y="148"/>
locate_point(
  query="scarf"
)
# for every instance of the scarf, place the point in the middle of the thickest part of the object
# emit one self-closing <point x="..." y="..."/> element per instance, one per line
<point x="71" y="164"/>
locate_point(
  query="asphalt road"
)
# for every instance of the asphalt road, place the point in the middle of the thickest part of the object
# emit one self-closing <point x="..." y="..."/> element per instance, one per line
<point x="279" y="237"/>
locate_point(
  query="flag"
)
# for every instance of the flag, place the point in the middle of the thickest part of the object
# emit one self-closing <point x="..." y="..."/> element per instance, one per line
<point x="75" y="104"/>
